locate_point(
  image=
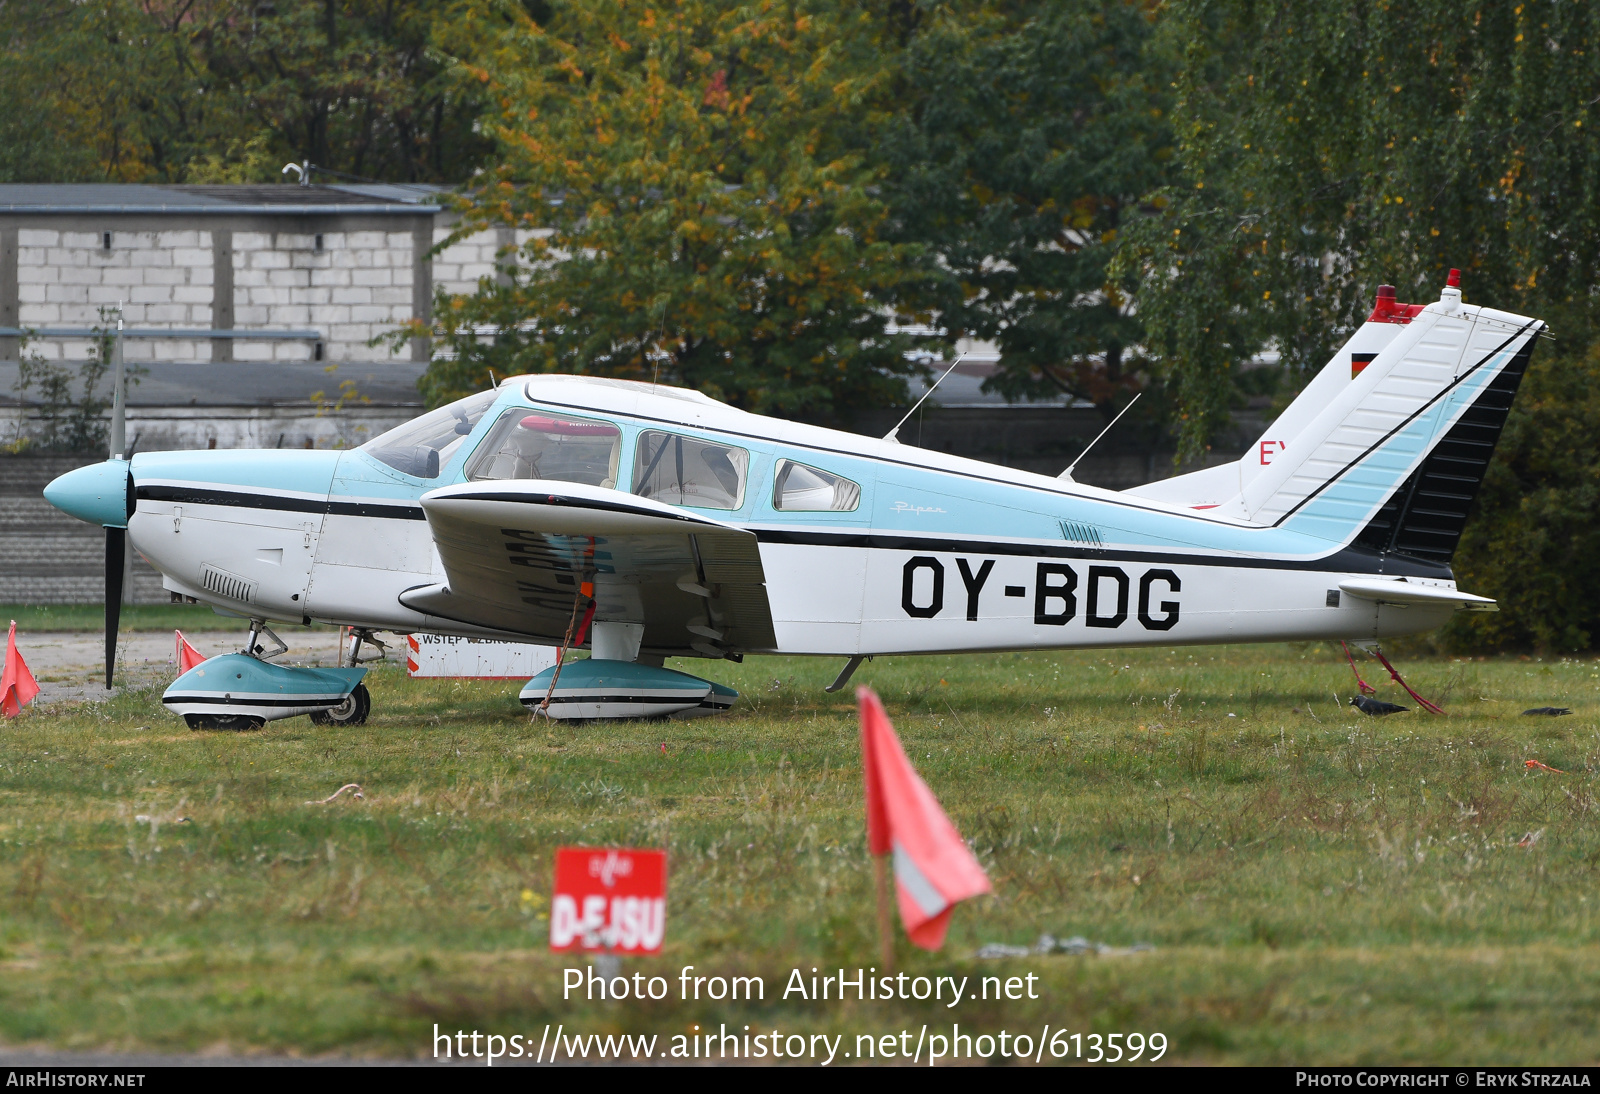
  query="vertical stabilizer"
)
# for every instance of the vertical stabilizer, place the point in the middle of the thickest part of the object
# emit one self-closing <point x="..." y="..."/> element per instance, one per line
<point x="1387" y="446"/>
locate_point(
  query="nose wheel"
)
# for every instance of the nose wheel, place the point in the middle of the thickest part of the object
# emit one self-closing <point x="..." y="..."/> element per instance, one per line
<point x="352" y="712"/>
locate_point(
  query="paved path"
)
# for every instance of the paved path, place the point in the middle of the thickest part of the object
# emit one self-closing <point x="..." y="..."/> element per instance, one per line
<point x="71" y="665"/>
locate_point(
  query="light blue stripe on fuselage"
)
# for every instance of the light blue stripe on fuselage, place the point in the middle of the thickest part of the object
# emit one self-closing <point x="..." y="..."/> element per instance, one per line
<point x="896" y="498"/>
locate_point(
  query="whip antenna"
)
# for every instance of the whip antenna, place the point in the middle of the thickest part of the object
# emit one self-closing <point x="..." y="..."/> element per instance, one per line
<point x="892" y="434"/>
<point x="1067" y="474"/>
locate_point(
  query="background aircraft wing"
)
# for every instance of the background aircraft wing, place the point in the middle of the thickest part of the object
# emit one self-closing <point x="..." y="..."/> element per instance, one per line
<point x="516" y="553"/>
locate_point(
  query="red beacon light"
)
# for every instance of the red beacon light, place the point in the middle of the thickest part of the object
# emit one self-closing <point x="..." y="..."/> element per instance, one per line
<point x="1454" y="280"/>
<point x="1387" y="310"/>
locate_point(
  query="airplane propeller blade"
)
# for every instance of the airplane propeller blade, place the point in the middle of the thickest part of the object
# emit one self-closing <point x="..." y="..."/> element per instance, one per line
<point x="116" y="538"/>
<point x="116" y="561"/>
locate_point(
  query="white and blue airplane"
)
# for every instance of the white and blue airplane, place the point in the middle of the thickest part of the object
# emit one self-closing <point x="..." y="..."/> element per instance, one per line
<point x="644" y="522"/>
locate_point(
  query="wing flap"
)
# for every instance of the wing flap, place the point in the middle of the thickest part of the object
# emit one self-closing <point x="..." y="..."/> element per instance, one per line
<point x="517" y="553"/>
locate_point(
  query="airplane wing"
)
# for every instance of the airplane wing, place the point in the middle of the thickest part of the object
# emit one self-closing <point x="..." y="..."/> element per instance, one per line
<point x="516" y="553"/>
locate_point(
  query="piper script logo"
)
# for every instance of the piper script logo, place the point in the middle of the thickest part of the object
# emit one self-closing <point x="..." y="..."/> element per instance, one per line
<point x="612" y="900"/>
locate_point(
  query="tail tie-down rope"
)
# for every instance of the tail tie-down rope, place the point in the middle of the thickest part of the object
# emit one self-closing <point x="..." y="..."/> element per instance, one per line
<point x="585" y="592"/>
<point x="1368" y="689"/>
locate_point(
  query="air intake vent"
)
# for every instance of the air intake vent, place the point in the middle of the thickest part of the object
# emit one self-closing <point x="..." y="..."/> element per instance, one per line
<point x="225" y="584"/>
<point x="1087" y="534"/>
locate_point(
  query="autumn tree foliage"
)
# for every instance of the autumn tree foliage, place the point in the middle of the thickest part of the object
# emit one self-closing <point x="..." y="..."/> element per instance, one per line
<point x="228" y="90"/>
<point x="698" y="203"/>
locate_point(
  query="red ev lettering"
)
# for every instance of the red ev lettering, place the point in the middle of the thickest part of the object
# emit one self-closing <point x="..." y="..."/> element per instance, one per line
<point x="1270" y="449"/>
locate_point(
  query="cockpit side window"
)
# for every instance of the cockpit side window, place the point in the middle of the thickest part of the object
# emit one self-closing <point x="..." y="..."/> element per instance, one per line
<point x="798" y="488"/>
<point x="424" y="445"/>
<point x="688" y="471"/>
<point x="533" y="444"/>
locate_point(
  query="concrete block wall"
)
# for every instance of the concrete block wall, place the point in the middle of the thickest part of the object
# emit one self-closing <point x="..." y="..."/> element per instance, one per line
<point x="49" y="557"/>
<point x="356" y="286"/>
<point x="459" y="268"/>
<point x="161" y="278"/>
<point x="349" y="279"/>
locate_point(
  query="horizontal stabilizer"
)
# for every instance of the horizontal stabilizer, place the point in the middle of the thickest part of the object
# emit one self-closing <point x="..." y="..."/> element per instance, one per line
<point x="1405" y="593"/>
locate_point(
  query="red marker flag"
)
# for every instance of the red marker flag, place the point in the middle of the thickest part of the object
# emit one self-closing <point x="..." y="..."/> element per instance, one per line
<point x="933" y="869"/>
<point x="17" y="688"/>
<point x="188" y="656"/>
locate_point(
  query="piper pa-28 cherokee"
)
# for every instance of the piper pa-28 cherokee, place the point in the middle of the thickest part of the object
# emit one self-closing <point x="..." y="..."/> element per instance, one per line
<point x="646" y="522"/>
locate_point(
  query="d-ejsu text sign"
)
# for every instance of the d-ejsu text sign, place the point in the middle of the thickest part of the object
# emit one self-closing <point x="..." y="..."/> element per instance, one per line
<point x="613" y="900"/>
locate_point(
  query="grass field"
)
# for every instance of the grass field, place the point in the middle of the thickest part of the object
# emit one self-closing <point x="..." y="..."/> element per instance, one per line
<point x="134" y="617"/>
<point x="1318" y="887"/>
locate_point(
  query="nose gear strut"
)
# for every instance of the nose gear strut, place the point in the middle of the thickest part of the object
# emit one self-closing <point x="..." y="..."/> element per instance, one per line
<point x="350" y="656"/>
<point x="253" y="646"/>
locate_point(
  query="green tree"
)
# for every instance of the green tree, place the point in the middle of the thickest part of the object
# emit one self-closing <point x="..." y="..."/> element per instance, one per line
<point x="227" y="90"/>
<point x="1327" y="148"/>
<point x="702" y="209"/>
<point x="353" y="85"/>
<point x="1030" y="130"/>
<point x="1534" y="544"/>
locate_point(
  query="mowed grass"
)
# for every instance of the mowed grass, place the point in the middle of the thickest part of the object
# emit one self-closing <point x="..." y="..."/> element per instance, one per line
<point x="1318" y="886"/>
<point x="133" y="617"/>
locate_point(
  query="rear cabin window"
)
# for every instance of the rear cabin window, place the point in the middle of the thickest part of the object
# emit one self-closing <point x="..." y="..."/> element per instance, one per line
<point x="802" y="489"/>
<point x="688" y="471"/>
<point x="531" y="444"/>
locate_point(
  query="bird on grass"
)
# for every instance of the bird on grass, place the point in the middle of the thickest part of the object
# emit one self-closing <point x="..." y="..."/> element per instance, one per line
<point x="1366" y="704"/>
<point x="1549" y="712"/>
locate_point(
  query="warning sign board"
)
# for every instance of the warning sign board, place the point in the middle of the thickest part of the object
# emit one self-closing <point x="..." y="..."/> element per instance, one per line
<point x="613" y="900"/>
<point x="482" y="658"/>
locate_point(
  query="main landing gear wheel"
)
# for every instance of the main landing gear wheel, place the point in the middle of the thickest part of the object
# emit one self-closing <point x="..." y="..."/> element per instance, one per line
<point x="352" y="712"/>
<point x="224" y="721"/>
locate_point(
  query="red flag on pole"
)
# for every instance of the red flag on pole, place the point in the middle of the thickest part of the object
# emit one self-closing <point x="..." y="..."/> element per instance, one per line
<point x="188" y="656"/>
<point x="933" y="869"/>
<point x="17" y="688"/>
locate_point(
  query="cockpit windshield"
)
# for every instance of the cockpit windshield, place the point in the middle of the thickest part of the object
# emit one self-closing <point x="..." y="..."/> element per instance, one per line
<point x="533" y="444"/>
<point x="424" y="445"/>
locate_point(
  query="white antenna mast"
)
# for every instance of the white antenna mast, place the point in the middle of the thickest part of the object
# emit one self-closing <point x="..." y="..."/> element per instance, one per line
<point x="1067" y="474"/>
<point x="892" y="435"/>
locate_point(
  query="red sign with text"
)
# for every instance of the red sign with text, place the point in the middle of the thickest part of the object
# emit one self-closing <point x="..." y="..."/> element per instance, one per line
<point x="612" y="900"/>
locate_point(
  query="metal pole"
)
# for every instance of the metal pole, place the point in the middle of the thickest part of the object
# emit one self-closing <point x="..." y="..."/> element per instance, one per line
<point x="119" y="397"/>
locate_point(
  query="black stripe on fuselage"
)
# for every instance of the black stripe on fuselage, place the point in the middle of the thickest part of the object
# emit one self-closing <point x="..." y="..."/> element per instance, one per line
<point x="1346" y="560"/>
<point x="193" y="495"/>
<point x="213" y="700"/>
<point x="641" y="700"/>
